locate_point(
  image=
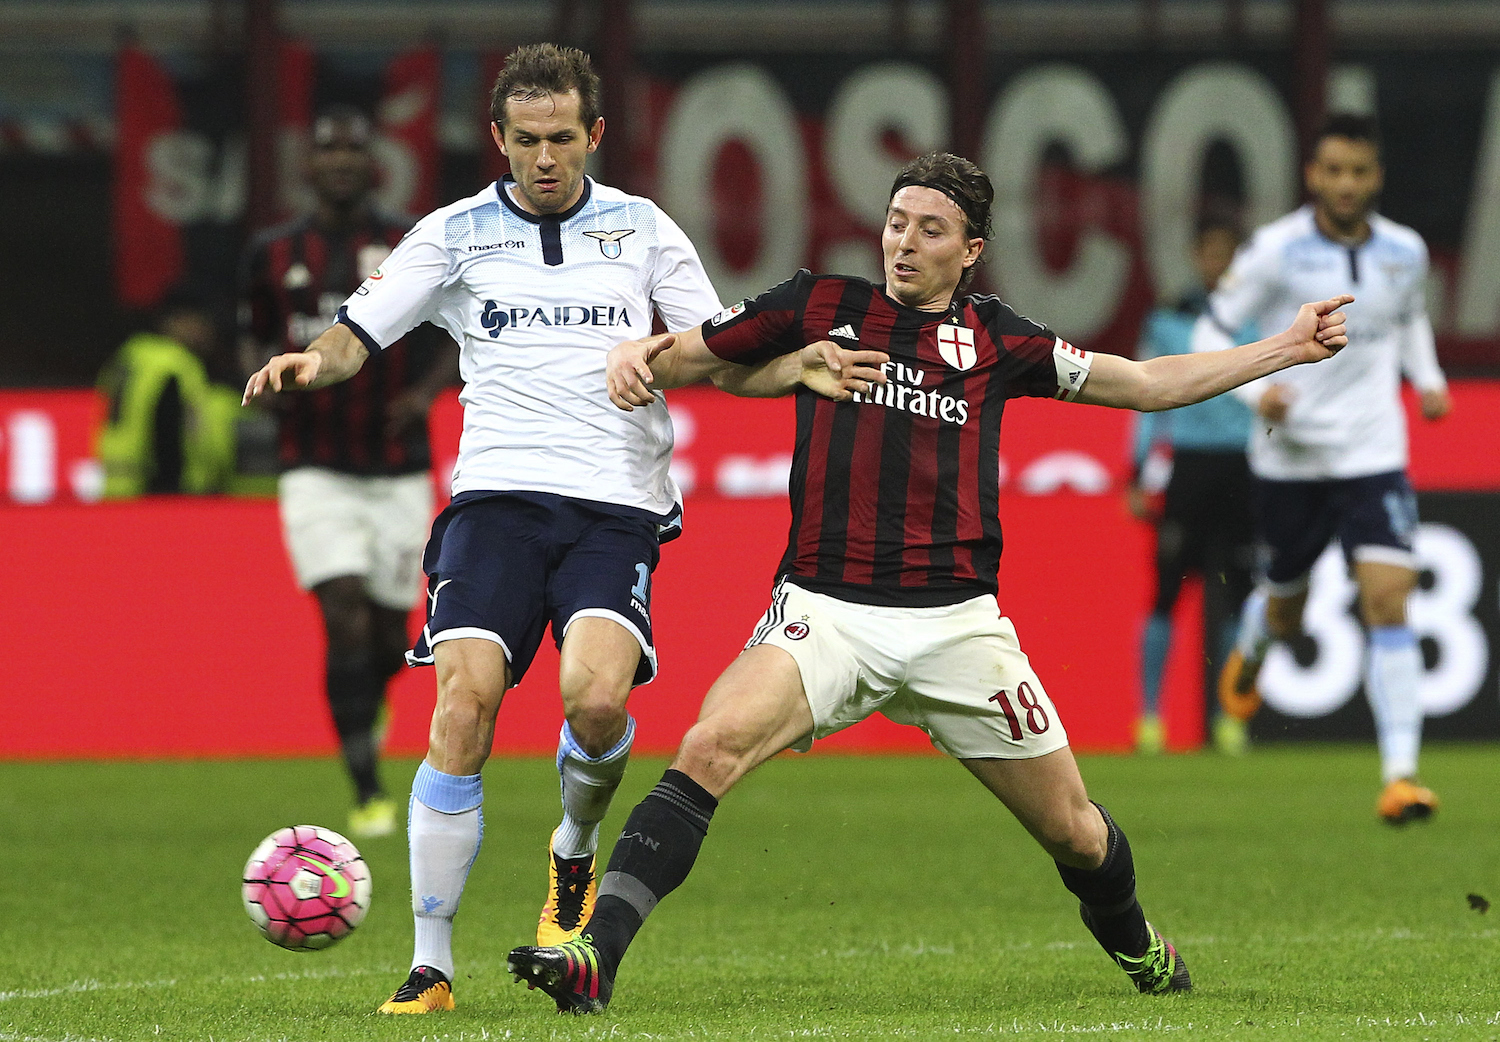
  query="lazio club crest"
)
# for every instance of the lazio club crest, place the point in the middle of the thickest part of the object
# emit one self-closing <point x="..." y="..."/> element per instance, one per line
<point x="609" y="242"/>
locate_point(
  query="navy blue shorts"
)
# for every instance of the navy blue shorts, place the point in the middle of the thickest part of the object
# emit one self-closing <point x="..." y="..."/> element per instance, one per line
<point x="501" y="566"/>
<point x="1374" y="518"/>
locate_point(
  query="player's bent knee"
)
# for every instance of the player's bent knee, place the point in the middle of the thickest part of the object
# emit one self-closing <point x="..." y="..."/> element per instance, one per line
<point x="1076" y="837"/>
<point x="712" y="758"/>
<point x="464" y="706"/>
<point x="598" y="725"/>
<point x="1385" y="606"/>
<point x="1283" y="618"/>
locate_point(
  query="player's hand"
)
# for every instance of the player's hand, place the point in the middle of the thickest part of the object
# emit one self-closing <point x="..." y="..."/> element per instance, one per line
<point x="837" y="372"/>
<point x="1318" y="330"/>
<point x="1275" y="402"/>
<point x="1436" y="404"/>
<point x="292" y="371"/>
<point x="627" y="370"/>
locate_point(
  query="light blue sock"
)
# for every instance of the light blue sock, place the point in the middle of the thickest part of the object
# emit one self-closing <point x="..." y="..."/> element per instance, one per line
<point x="588" y="784"/>
<point x="1255" y="632"/>
<point x="445" y="827"/>
<point x="1393" y="678"/>
<point x="1154" y="646"/>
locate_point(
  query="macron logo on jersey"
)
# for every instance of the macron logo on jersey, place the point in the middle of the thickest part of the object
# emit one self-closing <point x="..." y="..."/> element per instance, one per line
<point x="497" y="316"/>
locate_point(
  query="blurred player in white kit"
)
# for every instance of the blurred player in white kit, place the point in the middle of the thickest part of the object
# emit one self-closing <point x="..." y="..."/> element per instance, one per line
<point x="1328" y="449"/>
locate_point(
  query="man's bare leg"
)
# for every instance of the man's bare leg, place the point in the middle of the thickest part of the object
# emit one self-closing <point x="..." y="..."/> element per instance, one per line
<point x="1047" y="796"/>
<point x="599" y="660"/>
<point x="753" y="711"/>
<point x="446" y="820"/>
<point x="1393" y="679"/>
<point x="1271" y="613"/>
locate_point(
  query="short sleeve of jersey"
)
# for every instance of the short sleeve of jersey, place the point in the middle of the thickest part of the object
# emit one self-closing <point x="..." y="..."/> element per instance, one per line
<point x="405" y="290"/>
<point x="765" y="327"/>
<point x="681" y="290"/>
<point x="1247" y="286"/>
<point x="1034" y="361"/>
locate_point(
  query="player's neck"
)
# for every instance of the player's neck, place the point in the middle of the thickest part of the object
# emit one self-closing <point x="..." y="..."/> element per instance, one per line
<point x="1348" y="233"/>
<point x="335" y="217"/>
<point x="935" y="306"/>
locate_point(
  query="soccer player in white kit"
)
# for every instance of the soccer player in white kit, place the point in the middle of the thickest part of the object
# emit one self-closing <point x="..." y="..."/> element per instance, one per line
<point x="1328" y="449"/>
<point x="560" y="499"/>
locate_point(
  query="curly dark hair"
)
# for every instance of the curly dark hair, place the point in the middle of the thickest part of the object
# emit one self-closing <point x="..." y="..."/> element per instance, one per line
<point x="960" y="180"/>
<point x="539" y="69"/>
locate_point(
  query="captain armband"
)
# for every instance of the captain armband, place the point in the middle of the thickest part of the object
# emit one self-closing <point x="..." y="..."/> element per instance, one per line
<point x="1072" y="368"/>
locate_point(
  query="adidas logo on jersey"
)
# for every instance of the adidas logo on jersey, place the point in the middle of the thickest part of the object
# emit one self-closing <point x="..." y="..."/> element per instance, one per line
<point x="846" y="331"/>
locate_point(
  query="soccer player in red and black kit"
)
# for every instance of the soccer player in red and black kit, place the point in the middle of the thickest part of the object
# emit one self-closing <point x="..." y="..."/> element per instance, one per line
<point x="886" y="596"/>
<point x="356" y="487"/>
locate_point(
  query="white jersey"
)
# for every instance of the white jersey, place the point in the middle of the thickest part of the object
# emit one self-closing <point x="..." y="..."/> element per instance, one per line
<point x="535" y="303"/>
<point x="1345" y="419"/>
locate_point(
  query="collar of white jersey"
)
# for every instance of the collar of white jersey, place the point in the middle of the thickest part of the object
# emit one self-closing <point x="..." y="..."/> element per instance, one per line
<point x="536" y="218"/>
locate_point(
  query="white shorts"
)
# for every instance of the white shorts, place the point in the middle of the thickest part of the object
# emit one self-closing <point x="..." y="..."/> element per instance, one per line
<point x="956" y="671"/>
<point x="373" y="527"/>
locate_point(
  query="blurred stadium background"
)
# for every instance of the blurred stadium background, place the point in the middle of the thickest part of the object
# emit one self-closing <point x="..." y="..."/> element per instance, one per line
<point x="141" y="142"/>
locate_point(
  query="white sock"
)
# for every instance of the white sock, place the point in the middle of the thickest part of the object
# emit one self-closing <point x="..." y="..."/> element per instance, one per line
<point x="1254" y="636"/>
<point x="588" y="784"/>
<point x="1393" y="675"/>
<point x="445" y="826"/>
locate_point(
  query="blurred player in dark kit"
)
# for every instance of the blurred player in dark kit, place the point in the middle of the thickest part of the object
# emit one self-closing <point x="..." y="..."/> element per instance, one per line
<point x="886" y="597"/>
<point x="356" y="488"/>
<point x="1205" y="516"/>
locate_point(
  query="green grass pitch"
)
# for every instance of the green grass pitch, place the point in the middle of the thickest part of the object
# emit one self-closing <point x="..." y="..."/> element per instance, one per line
<point x="836" y="897"/>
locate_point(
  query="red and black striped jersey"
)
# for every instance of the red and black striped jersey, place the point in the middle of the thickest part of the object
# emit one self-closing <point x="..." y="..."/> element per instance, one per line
<point x="895" y="495"/>
<point x="294" y="279"/>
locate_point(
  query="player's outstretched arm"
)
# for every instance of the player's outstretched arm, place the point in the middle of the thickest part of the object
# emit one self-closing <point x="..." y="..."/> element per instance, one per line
<point x="1175" y="380"/>
<point x="635" y="368"/>
<point x="825" y="367"/>
<point x="336" y="355"/>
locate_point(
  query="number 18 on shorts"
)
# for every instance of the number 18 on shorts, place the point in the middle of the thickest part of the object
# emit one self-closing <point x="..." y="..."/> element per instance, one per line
<point x="955" y="671"/>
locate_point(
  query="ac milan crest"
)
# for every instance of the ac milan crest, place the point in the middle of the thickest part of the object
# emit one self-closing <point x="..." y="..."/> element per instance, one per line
<point x="956" y="345"/>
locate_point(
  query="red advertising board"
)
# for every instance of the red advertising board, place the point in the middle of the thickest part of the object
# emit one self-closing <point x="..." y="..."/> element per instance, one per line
<point x="176" y="629"/>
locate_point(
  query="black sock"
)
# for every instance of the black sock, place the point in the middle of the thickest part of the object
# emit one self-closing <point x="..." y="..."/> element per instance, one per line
<point x="652" y="857"/>
<point x="1110" y="909"/>
<point x="355" y="691"/>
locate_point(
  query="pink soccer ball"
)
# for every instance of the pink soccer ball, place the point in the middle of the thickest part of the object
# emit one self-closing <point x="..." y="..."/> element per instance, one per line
<point x="306" y="887"/>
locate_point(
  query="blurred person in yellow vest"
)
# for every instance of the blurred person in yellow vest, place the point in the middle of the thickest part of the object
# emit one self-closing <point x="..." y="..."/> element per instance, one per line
<point x="170" y="428"/>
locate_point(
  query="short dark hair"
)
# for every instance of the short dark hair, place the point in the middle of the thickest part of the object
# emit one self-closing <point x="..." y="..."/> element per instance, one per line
<point x="1215" y="220"/>
<point x="539" y="69"/>
<point x="1348" y="125"/>
<point x="961" y="181"/>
